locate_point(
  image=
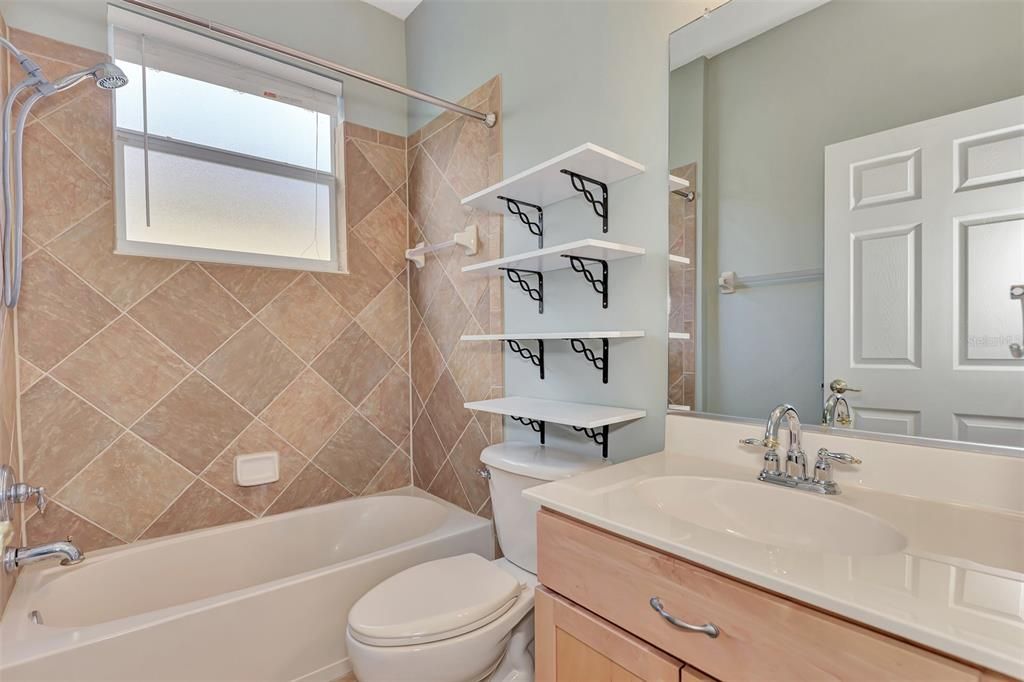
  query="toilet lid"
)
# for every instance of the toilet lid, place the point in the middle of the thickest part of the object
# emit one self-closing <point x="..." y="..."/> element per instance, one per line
<point x="433" y="601"/>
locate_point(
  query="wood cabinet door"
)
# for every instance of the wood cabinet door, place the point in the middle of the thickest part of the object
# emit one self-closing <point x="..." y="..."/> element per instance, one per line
<point x="574" y="645"/>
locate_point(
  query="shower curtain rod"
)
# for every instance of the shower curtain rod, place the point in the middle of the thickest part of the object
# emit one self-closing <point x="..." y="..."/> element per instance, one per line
<point x="488" y="119"/>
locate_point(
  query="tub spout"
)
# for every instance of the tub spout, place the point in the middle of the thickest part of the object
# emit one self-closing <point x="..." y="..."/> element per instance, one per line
<point x="17" y="557"/>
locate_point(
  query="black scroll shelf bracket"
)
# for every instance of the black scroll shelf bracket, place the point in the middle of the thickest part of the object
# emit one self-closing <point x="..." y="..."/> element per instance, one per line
<point x="580" y="264"/>
<point x="537" y="426"/>
<point x="600" y="206"/>
<point x="524" y="352"/>
<point x="536" y="227"/>
<point x="516" y="276"/>
<point x="598" y="435"/>
<point x="599" y="362"/>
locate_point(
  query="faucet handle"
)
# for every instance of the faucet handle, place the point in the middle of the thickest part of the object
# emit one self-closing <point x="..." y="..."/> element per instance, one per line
<point x="824" y="454"/>
<point x="41" y="500"/>
<point x="771" y="457"/>
<point x="823" y="467"/>
<point x="20" y="492"/>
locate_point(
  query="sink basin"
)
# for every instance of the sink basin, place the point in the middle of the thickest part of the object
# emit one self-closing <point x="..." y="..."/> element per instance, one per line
<point x="772" y="515"/>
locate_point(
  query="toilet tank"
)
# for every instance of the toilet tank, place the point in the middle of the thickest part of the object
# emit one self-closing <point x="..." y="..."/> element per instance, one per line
<point x="514" y="467"/>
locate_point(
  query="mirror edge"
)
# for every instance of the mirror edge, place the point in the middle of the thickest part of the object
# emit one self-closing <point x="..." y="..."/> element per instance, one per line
<point x="921" y="441"/>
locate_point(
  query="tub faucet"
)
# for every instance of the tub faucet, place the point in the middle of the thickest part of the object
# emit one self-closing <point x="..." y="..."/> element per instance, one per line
<point x="17" y="557"/>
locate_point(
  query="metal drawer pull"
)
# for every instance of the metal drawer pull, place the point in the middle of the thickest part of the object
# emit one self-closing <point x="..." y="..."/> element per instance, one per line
<point x="709" y="629"/>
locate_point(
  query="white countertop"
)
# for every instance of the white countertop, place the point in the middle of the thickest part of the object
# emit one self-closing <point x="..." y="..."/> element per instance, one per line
<point x="957" y="587"/>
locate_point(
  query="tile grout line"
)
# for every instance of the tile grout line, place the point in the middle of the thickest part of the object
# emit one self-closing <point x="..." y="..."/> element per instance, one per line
<point x="42" y="121"/>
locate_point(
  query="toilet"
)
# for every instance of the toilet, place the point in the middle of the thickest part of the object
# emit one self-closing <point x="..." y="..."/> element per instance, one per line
<point x="464" y="618"/>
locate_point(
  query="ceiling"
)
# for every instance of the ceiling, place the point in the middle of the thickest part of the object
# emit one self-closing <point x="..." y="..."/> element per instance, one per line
<point x="399" y="8"/>
<point x="731" y="23"/>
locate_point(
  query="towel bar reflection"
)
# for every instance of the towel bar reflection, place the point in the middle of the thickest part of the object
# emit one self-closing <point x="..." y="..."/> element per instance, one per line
<point x="728" y="282"/>
<point x="467" y="239"/>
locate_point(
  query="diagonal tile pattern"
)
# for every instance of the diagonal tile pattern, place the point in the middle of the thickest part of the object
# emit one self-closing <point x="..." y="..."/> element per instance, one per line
<point x="252" y="367"/>
<point x="191" y="313"/>
<point x="448" y="159"/>
<point x="141" y="379"/>
<point x="122" y="370"/>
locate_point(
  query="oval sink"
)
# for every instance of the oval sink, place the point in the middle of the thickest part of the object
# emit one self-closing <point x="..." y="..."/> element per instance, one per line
<point x="772" y="515"/>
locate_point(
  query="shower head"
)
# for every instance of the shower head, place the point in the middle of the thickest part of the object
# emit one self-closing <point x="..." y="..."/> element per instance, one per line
<point x="107" y="76"/>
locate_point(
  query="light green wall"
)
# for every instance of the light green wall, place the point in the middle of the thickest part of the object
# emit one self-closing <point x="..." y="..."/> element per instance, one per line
<point x="352" y="33"/>
<point x="574" y="72"/>
<point x="846" y="69"/>
<point x="686" y="104"/>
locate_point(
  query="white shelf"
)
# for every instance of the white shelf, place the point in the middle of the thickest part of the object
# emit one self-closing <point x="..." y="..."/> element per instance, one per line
<point x="583" y="415"/>
<point x="678" y="335"/>
<point x="679" y="259"/>
<point x="545" y="184"/>
<point x="675" y="183"/>
<point x="679" y="408"/>
<point x="537" y="336"/>
<point x="550" y="258"/>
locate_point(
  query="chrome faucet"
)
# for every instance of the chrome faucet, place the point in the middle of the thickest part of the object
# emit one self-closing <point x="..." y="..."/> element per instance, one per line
<point x="795" y="473"/>
<point x="837" y="410"/>
<point x="18" y="557"/>
<point x="11" y="493"/>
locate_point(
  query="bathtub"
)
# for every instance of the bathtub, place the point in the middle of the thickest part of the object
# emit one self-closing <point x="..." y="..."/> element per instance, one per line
<point x="266" y="599"/>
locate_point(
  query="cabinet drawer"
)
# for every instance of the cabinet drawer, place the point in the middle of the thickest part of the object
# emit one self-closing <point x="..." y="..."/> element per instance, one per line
<point x="574" y="645"/>
<point x="762" y="636"/>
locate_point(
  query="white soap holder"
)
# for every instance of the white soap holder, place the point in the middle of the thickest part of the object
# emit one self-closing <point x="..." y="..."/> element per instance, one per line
<point x="259" y="468"/>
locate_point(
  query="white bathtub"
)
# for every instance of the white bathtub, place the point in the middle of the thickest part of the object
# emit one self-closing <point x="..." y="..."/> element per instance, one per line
<point x="265" y="599"/>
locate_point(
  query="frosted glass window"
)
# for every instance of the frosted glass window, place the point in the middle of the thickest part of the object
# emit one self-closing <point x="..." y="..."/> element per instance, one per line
<point x="189" y="110"/>
<point x="220" y="161"/>
<point x="216" y="206"/>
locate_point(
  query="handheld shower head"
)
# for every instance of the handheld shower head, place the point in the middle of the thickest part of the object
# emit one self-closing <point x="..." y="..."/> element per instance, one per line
<point x="107" y="76"/>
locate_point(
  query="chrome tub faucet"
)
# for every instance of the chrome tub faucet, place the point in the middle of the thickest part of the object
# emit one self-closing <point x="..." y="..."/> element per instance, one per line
<point x="14" y="558"/>
<point x="19" y="557"/>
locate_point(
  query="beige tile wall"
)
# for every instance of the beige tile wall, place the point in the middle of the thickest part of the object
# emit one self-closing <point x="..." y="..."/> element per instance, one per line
<point x="142" y="378"/>
<point x="449" y="158"/>
<point x="682" y="292"/>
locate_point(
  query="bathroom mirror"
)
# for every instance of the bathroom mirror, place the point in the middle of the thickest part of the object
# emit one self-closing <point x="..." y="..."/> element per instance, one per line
<point x="846" y="216"/>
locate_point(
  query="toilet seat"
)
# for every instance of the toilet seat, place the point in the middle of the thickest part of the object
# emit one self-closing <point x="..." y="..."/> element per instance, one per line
<point x="434" y="601"/>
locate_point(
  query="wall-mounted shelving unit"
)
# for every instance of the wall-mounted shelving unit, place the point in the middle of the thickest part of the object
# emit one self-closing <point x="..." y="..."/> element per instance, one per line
<point x="576" y="340"/>
<point x="591" y="420"/>
<point x="587" y="170"/>
<point x="527" y="269"/>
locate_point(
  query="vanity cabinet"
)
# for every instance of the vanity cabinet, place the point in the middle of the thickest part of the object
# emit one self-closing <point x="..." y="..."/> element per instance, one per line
<point x="594" y="613"/>
<point x="578" y="645"/>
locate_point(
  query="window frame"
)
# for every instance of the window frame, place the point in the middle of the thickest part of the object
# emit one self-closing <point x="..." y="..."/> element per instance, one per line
<point x="215" y="57"/>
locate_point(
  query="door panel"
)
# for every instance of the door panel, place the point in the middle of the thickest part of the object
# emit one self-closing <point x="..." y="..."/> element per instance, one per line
<point x="924" y="236"/>
<point x="886" y="296"/>
<point x="881" y="420"/>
